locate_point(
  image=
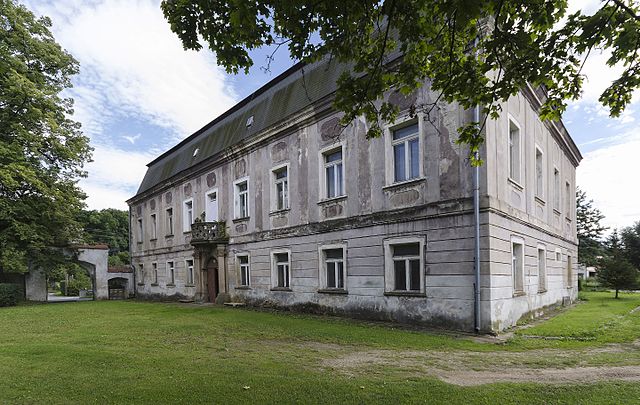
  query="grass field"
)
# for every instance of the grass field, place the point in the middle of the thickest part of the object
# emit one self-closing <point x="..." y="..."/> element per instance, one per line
<point x="120" y="352"/>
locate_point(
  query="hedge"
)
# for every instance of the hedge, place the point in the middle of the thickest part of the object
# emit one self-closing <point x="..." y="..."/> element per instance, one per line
<point x="10" y="294"/>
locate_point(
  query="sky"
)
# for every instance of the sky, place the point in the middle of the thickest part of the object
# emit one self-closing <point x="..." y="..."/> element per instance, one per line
<point x="138" y="93"/>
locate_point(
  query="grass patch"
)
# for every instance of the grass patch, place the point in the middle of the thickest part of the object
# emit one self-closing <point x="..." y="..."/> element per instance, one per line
<point x="115" y="352"/>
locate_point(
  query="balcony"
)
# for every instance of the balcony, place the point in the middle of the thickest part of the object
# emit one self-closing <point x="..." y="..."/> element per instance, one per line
<point x="208" y="233"/>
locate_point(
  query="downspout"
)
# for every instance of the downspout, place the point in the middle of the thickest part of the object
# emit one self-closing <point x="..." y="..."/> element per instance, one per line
<point x="135" y="284"/>
<point x="476" y="224"/>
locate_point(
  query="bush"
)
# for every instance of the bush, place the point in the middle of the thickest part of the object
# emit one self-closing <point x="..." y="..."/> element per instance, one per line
<point x="10" y="294"/>
<point x="77" y="282"/>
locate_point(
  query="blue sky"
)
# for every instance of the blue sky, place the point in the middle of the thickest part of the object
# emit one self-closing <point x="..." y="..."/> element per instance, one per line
<point x="138" y="93"/>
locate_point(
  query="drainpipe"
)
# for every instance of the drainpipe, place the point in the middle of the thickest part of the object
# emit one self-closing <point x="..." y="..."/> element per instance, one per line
<point x="135" y="284"/>
<point x="476" y="218"/>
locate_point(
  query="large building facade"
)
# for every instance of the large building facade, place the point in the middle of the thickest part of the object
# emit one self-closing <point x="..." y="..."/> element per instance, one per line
<point x="275" y="203"/>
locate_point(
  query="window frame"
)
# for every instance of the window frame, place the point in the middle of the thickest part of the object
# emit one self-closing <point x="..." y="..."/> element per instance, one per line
<point x="154" y="226"/>
<point x="389" y="268"/>
<point x="236" y="198"/>
<point x="206" y="204"/>
<point x="140" y="229"/>
<point x="557" y="196"/>
<point x="274" y="187"/>
<point x="190" y="272"/>
<point x="407" y="152"/>
<point x="274" y="270"/>
<point x="239" y="269"/>
<point x="154" y="268"/>
<point x="518" y="240"/>
<point x="539" y="177"/>
<point x="169" y="221"/>
<point x="568" y="200"/>
<point x="558" y="257"/>
<point x="171" y="272"/>
<point x="186" y="226"/>
<point x="542" y="275"/>
<point x="569" y="271"/>
<point x="403" y="122"/>
<point x="323" y="153"/>
<point x="322" y="267"/>
<point x="141" y="273"/>
<point x="512" y="120"/>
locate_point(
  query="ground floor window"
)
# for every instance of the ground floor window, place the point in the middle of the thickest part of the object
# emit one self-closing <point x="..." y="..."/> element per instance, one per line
<point x="517" y="264"/>
<point x="332" y="269"/>
<point x="542" y="268"/>
<point x="171" y="276"/>
<point x="281" y="269"/>
<point x="404" y="265"/>
<point x="189" y="272"/>
<point x="243" y="265"/>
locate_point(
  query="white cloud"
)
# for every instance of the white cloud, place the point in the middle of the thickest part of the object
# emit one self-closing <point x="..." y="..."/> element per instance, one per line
<point x="132" y="138"/>
<point x="609" y="176"/>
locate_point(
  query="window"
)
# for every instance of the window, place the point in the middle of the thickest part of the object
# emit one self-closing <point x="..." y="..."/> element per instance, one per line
<point x="243" y="267"/>
<point x="514" y="151"/>
<point x="332" y="267"/>
<point x="154" y="268"/>
<point x="539" y="175"/>
<point x="140" y="231"/>
<point x="169" y="215"/>
<point x="281" y="274"/>
<point x="154" y="227"/>
<point x="542" y="268"/>
<point x="406" y="153"/>
<point x="280" y="188"/>
<point x="558" y="255"/>
<point x="171" y="276"/>
<point x="241" y="198"/>
<point x="141" y="273"/>
<point x="404" y="265"/>
<point x="189" y="264"/>
<point x="556" y="189"/>
<point x="567" y="199"/>
<point x="569" y="272"/>
<point x="211" y="205"/>
<point x="187" y="215"/>
<point x="333" y="173"/>
<point x="517" y="264"/>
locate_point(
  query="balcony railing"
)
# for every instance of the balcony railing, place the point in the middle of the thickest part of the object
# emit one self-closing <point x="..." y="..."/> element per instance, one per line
<point x="208" y="232"/>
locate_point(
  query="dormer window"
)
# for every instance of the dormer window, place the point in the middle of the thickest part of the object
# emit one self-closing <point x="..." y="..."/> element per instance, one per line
<point x="249" y="121"/>
<point x="195" y="152"/>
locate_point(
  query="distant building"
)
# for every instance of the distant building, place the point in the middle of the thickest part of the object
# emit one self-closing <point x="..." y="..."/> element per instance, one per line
<point x="274" y="203"/>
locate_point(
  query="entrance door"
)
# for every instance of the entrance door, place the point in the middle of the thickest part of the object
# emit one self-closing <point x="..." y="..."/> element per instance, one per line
<point x="211" y="205"/>
<point x="212" y="280"/>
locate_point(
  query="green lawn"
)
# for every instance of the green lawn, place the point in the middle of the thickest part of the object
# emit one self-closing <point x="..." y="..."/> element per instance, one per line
<point x="158" y="353"/>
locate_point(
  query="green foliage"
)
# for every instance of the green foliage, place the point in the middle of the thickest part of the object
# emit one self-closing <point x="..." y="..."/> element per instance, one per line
<point x="615" y="271"/>
<point x="42" y="151"/>
<point x="631" y="241"/>
<point x="473" y="52"/>
<point x="10" y="294"/>
<point x="108" y="226"/>
<point x="589" y="230"/>
<point x="78" y="281"/>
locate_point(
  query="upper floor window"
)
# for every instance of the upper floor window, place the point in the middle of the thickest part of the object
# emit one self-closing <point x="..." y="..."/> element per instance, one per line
<point x="280" y="268"/>
<point x="280" y="177"/>
<point x="169" y="216"/>
<point x="539" y="175"/>
<point x="154" y="226"/>
<point x="189" y="264"/>
<point x="243" y="267"/>
<point x="211" y="205"/>
<point x="556" y="189"/>
<point x="140" y="231"/>
<point x="404" y="264"/>
<point x="517" y="264"/>
<point x="568" y="199"/>
<point x="333" y="173"/>
<point x="241" y="194"/>
<point x="406" y="153"/>
<point x="514" y="151"/>
<point x="187" y="215"/>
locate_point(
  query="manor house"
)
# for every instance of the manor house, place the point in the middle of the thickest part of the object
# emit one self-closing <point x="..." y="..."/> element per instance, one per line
<point x="275" y="203"/>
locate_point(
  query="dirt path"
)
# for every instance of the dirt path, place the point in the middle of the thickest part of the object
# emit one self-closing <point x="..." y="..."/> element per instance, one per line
<point x="550" y="366"/>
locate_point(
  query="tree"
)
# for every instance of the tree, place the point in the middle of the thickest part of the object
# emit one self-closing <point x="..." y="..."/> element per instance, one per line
<point x="589" y="229"/>
<point x="472" y="52"/>
<point x="615" y="270"/>
<point x="109" y="226"/>
<point x="42" y="151"/>
<point x="631" y="240"/>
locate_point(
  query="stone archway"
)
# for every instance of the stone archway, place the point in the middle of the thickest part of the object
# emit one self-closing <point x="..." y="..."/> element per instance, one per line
<point x="117" y="288"/>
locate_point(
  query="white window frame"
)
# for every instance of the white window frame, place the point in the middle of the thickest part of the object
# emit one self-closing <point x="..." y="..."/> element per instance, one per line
<point x="389" y="270"/>
<point x="171" y="272"/>
<point x="154" y="226"/>
<point x="170" y="220"/>
<point x="322" y="268"/>
<point x="539" y="177"/>
<point x="407" y="151"/>
<point x="518" y="240"/>
<point x="401" y="122"/>
<point x="542" y="273"/>
<point x="190" y="272"/>
<point x="274" y="188"/>
<point x="186" y="224"/>
<point x="154" y="268"/>
<point x="274" y="269"/>
<point x="240" y="268"/>
<point x="512" y="120"/>
<point x="558" y="255"/>
<point x="236" y="198"/>
<point x="324" y="195"/>
<point x="206" y="204"/>
<point x="556" y="189"/>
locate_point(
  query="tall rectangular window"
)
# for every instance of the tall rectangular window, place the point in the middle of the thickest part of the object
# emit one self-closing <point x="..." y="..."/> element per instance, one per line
<point x="517" y="265"/>
<point x="140" y="231"/>
<point x="211" y="206"/>
<point x="514" y="151"/>
<point x="241" y="198"/>
<point x="539" y="174"/>
<point x="334" y="174"/>
<point x="406" y="267"/>
<point x="187" y="215"/>
<point x="243" y="264"/>
<point x="171" y="275"/>
<point x="281" y="188"/>
<point x="568" y="199"/>
<point x="141" y="273"/>
<point x="281" y="266"/>
<point x="189" y="264"/>
<point x="154" y="270"/>
<point x="556" y="189"/>
<point x="334" y="268"/>
<point x="569" y="272"/>
<point x="406" y="153"/>
<point x="154" y="227"/>
<point x="542" y="269"/>
<point x="169" y="216"/>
